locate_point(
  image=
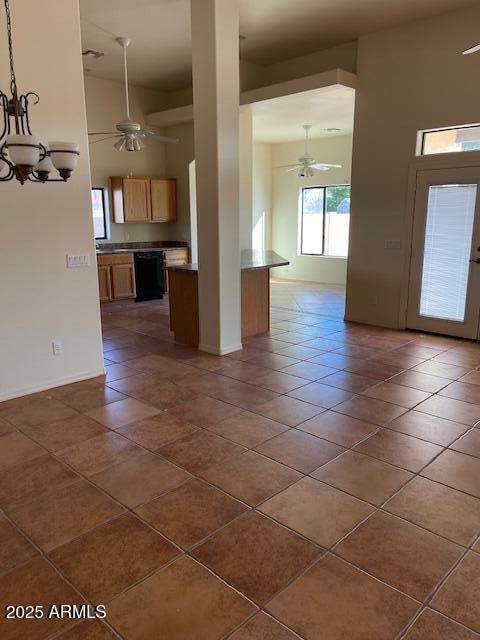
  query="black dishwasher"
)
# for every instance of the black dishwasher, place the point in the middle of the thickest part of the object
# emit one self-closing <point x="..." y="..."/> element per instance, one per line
<point x="149" y="277"/>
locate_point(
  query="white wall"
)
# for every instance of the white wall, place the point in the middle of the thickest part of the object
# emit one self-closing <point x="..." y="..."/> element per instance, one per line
<point x="40" y="224"/>
<point x="343" y="56"/>
<point x="285" y="209"/>
<point x="253" y="76"/>
<point x="410" y="78"/>
<point x="245" y="177"/>
<point x="262" y="196"/>
<point x="178" y="158"/>
<point x="105" y="101"/>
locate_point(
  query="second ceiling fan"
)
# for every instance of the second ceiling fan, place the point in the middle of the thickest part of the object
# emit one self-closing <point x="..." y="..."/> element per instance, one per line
<point x="129" y="134"/>
<point x="306" y="164"/>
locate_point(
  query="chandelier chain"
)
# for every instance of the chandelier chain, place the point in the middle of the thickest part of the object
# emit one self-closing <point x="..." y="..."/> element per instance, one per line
<point x="13" y="82"/>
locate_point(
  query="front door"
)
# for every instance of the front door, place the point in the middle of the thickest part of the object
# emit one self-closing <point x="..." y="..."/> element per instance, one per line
<point x="444" y="289"/>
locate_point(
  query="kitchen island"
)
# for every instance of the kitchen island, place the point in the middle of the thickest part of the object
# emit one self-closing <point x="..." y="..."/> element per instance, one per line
<point x="255" y="292"/>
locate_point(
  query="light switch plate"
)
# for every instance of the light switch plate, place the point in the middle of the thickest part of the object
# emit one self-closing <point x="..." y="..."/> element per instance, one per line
<point x="57" y="348"/>
<point x="75" y="260"/>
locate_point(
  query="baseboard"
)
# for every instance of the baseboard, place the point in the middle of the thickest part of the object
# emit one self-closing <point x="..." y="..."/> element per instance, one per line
<point x="218" y="351"/>
<point x="371" y="322"/>
<point x="51" y="385"/>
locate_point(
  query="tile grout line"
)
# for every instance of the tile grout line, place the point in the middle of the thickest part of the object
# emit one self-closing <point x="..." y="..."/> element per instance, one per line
<point x="304" y="475"/>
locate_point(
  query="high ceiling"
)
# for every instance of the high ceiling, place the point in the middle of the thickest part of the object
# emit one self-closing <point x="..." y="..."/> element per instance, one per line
<point x="275" y="30"/>
<point x="282" y="119"/>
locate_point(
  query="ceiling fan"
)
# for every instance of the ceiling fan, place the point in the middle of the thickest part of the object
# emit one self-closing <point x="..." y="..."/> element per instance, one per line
<point x="306" y="163"/>
<point x="130" y="134"/>
<point x="471" y="50"/>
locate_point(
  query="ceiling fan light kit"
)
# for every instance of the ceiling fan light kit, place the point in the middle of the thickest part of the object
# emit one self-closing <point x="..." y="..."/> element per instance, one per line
<point x="22" y="155"/>
<point x="129" y="132"/>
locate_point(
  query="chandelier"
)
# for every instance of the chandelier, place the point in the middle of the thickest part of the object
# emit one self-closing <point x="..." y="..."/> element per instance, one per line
<point x="22" y="155"/>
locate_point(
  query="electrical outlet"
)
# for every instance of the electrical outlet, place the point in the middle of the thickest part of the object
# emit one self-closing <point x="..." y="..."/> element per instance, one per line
<point x="75" y="260"/>
<point x="57" y="348"/>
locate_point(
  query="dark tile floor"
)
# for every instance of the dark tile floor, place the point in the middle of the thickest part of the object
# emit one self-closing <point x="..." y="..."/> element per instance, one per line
<point x="322" y="484"/>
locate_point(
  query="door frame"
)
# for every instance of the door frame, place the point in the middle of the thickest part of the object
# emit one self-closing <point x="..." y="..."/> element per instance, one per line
<point x="459" y="160"/>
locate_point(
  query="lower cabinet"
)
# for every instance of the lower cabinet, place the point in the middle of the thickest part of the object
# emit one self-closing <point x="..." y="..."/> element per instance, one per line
<point x="104" y="283"/>
<point x="116" y="273"/>
<point x="123" y="281"/>
<point x="116" y="277"/>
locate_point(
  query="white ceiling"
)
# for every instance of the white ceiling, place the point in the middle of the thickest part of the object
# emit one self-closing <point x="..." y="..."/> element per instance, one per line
<point x="275" y="30"/>
<point x="281" y="119"/>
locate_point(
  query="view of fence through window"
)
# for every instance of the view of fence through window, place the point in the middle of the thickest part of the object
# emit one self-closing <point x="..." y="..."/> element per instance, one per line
<point x="325" y="220"/>
<point x="453" y="140"/>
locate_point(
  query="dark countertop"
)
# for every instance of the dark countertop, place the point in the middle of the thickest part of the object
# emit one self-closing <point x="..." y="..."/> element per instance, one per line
<point x="133" y="247"/>
<point x="250" y="260"/>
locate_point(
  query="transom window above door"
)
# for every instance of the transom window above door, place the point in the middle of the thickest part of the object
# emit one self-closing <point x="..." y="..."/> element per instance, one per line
<point x="324" y="221"/>
<point x="454" y="140"/>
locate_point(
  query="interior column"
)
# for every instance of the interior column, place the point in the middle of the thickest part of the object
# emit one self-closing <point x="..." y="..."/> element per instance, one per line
<point x="216" y="83"/>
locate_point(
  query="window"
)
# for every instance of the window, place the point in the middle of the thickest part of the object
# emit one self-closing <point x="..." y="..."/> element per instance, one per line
<point x="453" y="140"/>
<point x="325" y="221"/>
<point x="446" y="258"/>
<point x="99" y="209"/>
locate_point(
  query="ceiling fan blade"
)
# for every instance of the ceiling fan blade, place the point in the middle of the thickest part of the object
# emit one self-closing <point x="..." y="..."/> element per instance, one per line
<point x="295" y="168"/>
<point x="471" y="50"/>
<point x="158" y="136"/>
<point x="103" y="133"/>
<point x="322" y="166"/>
<point x="107" y="138"/>
<point x="285" y="166"/>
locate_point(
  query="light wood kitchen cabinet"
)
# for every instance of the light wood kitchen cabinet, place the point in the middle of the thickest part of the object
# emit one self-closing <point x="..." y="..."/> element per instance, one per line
<point x="123" y="281"/>
<point x="104" y="283"/>
<point x="116" y="276"/>
<point x="141" y="200"/>
<point x="163" y="197"/>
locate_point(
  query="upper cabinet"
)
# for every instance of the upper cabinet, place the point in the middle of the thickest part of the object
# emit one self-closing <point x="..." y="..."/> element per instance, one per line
<point x="163" y="196"/>
<point x="144" y="199"/>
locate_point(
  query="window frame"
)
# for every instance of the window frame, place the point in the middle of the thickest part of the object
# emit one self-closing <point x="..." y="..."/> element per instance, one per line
<point x="324" y="220"/>
<point x="106" y="229"/>
<point x="425" y="132"/>
<point x="302" y="200"/>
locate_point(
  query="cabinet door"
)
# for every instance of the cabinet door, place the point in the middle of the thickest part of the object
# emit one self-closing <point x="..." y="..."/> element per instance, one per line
<point x="136" y="199"/>
<point x="104" y="284"/>
<point x="163" y="199"/>
<point x="123" y="281"/>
